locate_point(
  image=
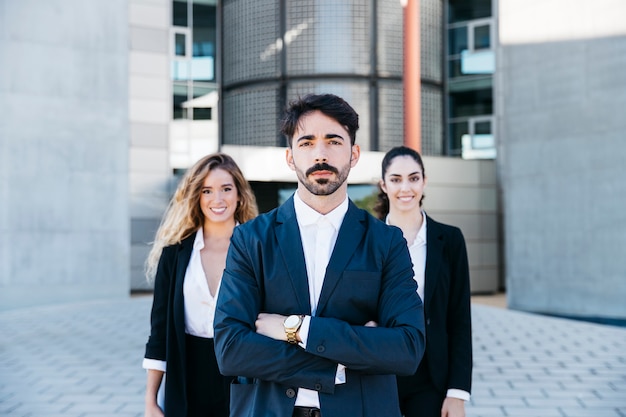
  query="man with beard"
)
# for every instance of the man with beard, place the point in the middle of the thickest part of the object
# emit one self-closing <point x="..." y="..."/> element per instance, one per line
<point x="318" y="310"/>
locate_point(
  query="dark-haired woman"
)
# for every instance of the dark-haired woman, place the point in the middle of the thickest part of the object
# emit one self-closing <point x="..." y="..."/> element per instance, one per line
<point x="442" y="382"/>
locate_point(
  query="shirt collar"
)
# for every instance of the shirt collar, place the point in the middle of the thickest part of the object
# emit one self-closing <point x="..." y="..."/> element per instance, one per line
<point x="421" y="234"/>
<point x="198" y="242"/>
<point x="307" y="216"/>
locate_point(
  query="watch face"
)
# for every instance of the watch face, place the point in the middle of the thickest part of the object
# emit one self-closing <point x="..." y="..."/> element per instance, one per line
<point x="291" y="321"/>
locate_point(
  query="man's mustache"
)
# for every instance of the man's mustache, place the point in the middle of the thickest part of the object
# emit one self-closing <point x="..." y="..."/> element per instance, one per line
<point x="321" y="167"/>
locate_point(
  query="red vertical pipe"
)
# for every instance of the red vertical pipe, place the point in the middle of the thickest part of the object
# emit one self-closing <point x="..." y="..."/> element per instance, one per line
<point x="412" y="77"/>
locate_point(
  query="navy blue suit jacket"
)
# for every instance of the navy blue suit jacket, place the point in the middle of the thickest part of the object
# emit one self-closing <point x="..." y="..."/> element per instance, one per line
<point x="369" y="277"/>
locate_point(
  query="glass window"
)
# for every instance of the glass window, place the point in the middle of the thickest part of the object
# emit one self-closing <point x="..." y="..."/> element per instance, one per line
<point x="462" y="10"/>
<point x="471" y="103"/>
<point x="180" y="70"/>
<point x="480" y="142"/>
<point x="179" y="13"/>
<point x="457" y="40"/>
<point x="204" y="40"/>
<point x="202" y="113"/>
<point x="203" y="69"/>
<point x="180" y="44"/>
<point x="193" y="55"/>
<point x="200" y="90"/>
<point x="456" y="132"/>
<point x="482" y="128"/>
<point x="482" y="37"/>
<point x="204" y="30"/>
<point x="180" y="94"/>
<point x="454" y="68"/>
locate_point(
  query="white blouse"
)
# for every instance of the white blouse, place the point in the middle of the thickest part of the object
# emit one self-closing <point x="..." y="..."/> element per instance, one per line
<point x="198" y="301"/>
<point x="417" y="250"/>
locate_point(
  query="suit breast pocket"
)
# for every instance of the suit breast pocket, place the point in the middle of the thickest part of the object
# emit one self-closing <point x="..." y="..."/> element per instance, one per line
<point x="242" y="397"/>
<point x="360" y="290"/>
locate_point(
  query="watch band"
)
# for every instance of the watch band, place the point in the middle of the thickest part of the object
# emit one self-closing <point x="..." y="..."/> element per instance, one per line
<point x="291" y="336"/>
<point x="291" y="333"/>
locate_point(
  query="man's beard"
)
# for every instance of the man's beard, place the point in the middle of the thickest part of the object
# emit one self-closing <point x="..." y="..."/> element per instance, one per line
<point x="323" y="186"/>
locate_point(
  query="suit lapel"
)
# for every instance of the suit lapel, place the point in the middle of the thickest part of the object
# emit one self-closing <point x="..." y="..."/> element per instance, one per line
<point x="349" y="237"/>
<point x="434" y="256"/>
<point x="290" y="244"/>
<point x="182" y="261"/>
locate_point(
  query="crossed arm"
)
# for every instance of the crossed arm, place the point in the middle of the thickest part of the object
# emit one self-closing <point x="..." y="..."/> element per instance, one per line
<point x="252" y="343"/>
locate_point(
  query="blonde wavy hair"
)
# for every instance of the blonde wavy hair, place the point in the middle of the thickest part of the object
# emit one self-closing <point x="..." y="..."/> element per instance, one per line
<point x="183" y="215"/>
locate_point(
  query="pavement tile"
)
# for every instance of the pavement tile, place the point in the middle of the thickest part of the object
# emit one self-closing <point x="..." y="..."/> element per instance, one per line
<point x="85" y="360"/>
<point x="500" y="402"/>
<point x="548" y="402"/>
<point x="484" y="412"/>
<point x="584" y="412"/>
<point x="533" y="412"/>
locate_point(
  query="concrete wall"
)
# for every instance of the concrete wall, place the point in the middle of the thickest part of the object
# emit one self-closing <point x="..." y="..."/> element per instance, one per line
<point x="463" y="193"/>
<point x="64" y="232"/>
<point x="561" y="110"/>
<point x="150" y="113"/>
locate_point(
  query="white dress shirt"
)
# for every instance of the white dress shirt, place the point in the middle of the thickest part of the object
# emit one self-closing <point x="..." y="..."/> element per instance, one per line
<point x="198" y="301"/>
<point x="318" y="233"/>
<point x="417" y="249"/>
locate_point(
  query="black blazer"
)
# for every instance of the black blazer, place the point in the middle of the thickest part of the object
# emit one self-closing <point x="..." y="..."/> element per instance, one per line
<point x="167" y="336"/>
<point x="447" y="308"/>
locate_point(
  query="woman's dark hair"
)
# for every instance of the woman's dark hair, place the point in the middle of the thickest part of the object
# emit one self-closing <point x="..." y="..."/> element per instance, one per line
<point x="329" y="104"/>
<point x="381" y="208"/>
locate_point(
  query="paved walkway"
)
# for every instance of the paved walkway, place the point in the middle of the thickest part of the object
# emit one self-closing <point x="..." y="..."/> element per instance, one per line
<point x="85" y="360"/>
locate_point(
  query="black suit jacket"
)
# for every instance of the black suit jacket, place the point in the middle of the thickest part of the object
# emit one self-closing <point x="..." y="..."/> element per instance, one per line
<point x="167" y="336"/>
<point x="447" y="308"/>
<point x="369" y="277"/>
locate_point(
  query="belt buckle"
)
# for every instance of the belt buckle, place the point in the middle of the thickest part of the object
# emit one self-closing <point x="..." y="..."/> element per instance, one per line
<point x="307" y="412"/>
<point x="313" y="412"/>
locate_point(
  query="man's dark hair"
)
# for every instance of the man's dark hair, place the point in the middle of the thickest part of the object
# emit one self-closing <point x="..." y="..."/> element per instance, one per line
<point x="331" y="105"/>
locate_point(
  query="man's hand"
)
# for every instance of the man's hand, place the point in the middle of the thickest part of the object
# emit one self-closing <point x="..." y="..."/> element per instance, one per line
<point x="453" y="407"/>
<point x="271" y="325"/>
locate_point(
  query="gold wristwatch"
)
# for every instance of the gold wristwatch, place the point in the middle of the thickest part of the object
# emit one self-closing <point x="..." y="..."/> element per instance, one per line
<point x="292" y="325"/>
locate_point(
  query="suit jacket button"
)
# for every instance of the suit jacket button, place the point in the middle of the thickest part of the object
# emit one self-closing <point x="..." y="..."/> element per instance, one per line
<point x="321" y="349"/>
<point x="290" y="392"/>
<point x="428" y="322"/>
<point x="318" y="387"/>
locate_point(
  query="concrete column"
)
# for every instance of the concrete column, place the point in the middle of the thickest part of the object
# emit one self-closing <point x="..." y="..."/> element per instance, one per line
<point x="64" y="232"/>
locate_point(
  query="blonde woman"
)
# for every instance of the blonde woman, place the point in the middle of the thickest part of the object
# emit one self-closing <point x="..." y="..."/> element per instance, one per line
<point x="186" y="264"/>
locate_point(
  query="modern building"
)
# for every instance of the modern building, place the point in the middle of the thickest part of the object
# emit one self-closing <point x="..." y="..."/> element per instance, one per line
<point x="560" y="100"/>
<point x="470" y="57"/>
<point x="235" y="64"/>
<point x="134" y="91"/>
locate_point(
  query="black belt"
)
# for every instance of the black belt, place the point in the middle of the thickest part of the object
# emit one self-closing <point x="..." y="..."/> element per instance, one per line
<point x="306" y="412"/>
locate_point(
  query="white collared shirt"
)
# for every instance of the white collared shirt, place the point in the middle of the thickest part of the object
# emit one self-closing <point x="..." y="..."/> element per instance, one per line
<point x="318" y="233"/>
<point x="198" y="301"/>
<point x="417" y="249"/>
